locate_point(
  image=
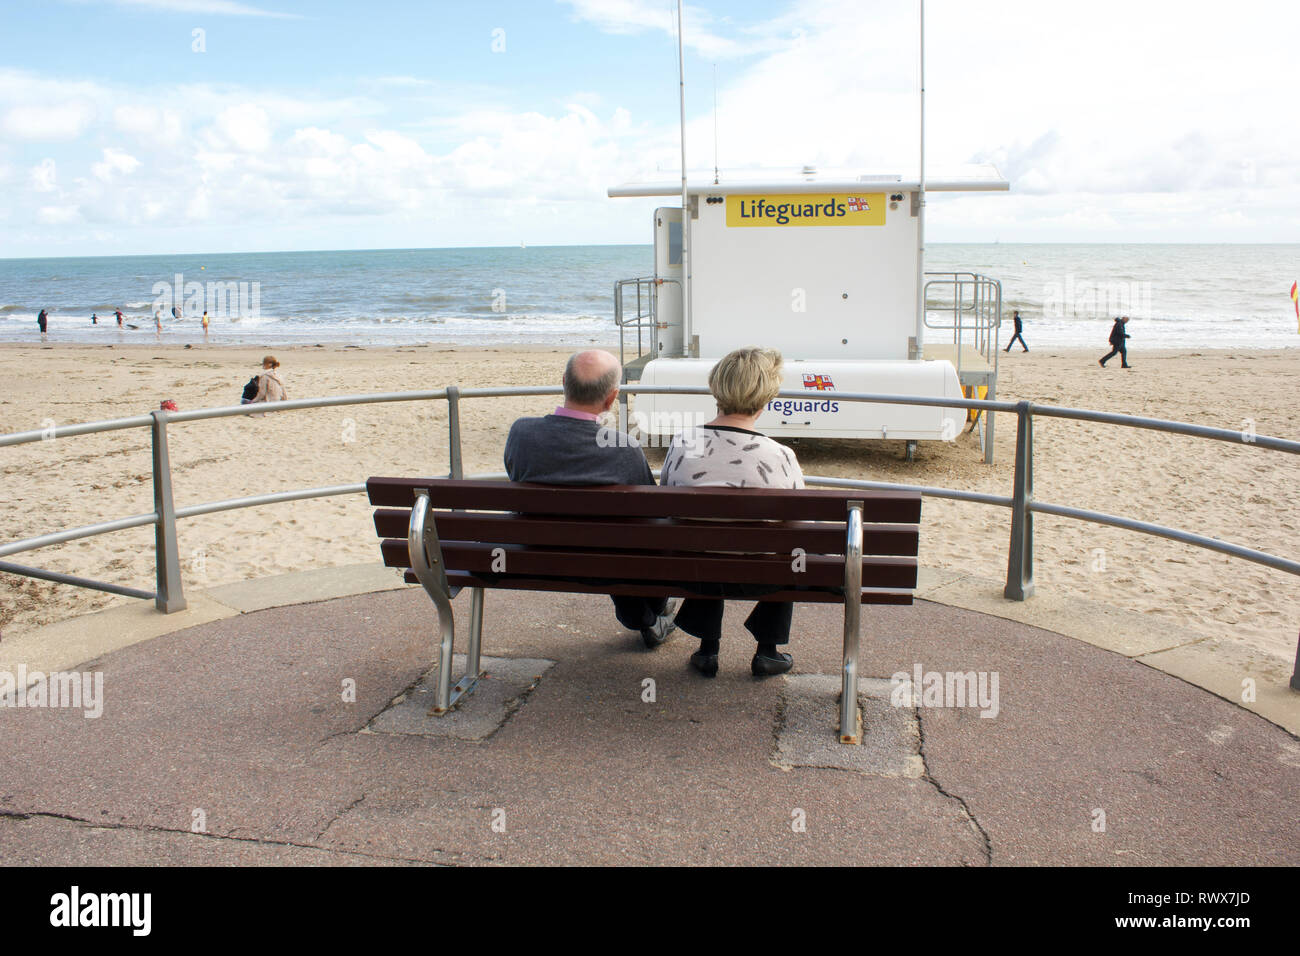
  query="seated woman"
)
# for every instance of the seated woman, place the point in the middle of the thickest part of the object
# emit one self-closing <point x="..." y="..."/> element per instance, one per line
<point x="728" y="452"/>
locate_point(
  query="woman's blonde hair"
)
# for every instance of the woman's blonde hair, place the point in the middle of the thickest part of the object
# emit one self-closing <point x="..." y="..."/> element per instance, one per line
<point x="270" y="360"/>
<point x="745" y="380"/>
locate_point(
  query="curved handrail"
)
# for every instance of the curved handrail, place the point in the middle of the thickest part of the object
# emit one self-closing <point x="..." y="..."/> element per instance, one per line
<point x="1022" y="503"/>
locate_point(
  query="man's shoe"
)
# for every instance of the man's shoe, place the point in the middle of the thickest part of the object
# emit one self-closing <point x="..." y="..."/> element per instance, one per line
<point x="658" y="632"/>
<point x="764" y="666"/>
<point x="706" y="664"/>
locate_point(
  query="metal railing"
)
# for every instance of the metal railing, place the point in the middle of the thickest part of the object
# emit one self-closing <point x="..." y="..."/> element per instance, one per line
<point x="973" y="303"/>
<point x="646" y="317"/>
<point x="169" y="596"/>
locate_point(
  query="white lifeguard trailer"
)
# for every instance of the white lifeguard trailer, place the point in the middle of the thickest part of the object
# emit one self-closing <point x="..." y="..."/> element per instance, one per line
<point x="827" y="267"/>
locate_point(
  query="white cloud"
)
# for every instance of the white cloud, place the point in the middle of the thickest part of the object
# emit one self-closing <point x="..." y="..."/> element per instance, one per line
<point x="57" y="215"/>
<point x="115" y="162"/>
<point x="245" y="127"/>
<point x="58" y="121"/>
<point x="45" y="176"/>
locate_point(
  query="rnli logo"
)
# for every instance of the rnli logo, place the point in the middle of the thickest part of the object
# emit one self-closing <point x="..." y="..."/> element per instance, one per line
<point x="820" y="382"/>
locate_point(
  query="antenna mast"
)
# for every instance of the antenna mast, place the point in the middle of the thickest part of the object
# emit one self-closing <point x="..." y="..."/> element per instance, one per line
<point x="686" y="208"/>
<point x="920" y="215"/>
<point x="715" y="124"/>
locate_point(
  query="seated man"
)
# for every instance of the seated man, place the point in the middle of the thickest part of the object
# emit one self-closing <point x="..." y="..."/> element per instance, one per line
<point x="568" y="448"/>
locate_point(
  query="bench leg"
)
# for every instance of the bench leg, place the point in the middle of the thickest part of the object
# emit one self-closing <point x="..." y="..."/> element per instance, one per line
<point x="425" y="553"/>
<point x="446" y="646"/>
<point x="850" y="715"/>
<point x="473" y="664"/>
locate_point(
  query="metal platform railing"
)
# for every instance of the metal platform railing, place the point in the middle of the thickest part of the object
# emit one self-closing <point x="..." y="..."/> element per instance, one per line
<point x="168" y="595"/>
<point x="645" y="318"/>
<point x="971" y="305"/>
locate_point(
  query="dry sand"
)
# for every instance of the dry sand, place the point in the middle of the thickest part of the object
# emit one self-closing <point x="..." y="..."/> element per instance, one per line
<point x="1241" y="493"/>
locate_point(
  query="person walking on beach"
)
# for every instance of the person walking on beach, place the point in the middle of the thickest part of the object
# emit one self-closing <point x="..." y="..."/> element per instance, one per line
<point x="727" y="452"/>
<point x="1118" y="339"/>
<point x="157" y="318"/>
<point x="42" y="322"/>
<point x="1020" y="327"/>
<point x="270" y="387"/>
<point x="569" y="447"/>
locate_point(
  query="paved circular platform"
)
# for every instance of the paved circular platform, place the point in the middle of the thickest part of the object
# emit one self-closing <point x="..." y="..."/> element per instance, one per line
<point x="240" y="728"/>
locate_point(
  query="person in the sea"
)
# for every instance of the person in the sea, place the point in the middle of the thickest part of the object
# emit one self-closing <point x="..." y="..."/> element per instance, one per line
<point x="270" y="386"/>
<point x="157" y="319"/>
<point x="118" y="314"/>
<point x="1118" y="343"/>
<point x="568" y="447"/>
<point x="94" y="319"/>
<point x="729" y="452"/>
<point x="205" y="323"/>
<point x="42" y="322"/>
<point x="1020" y="328"/>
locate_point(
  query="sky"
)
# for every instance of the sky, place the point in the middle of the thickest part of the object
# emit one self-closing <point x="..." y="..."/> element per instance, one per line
<point x="175" y="126"/>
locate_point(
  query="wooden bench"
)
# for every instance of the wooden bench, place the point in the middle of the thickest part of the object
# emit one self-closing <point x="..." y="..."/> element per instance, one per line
<point x="806" y="546"/>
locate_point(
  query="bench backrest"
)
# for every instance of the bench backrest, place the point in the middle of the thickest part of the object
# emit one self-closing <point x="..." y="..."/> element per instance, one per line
<point x="650" y="539"/>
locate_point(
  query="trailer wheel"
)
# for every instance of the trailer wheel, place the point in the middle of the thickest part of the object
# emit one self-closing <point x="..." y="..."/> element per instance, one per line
<point x="911" y="450"/>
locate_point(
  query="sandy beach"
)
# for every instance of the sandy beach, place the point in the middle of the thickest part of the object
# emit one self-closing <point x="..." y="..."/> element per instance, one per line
<point x="1243" y="494"/>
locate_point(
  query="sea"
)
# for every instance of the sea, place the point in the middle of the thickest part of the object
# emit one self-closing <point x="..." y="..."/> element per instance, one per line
<point x="1180" y="296"/>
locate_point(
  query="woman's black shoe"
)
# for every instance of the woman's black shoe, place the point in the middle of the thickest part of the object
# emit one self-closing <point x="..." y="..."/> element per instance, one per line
<point x="765" y="666"/>
<point x="706" y="664"/>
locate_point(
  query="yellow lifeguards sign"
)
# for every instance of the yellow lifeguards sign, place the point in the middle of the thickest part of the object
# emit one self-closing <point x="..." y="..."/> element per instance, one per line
<point x="807" y="209"/>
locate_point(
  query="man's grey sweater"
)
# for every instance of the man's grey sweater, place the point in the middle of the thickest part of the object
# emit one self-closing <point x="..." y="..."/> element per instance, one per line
<point x="556" y="450"/>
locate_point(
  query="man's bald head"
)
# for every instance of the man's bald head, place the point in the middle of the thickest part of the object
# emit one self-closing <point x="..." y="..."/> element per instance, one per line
<point x="591" y="380"/>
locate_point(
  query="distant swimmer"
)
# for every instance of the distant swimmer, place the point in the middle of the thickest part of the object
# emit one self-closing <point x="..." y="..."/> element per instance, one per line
<point x="1118" y="342"/>
<point x="42" y="321"/>
<point x="1020" y="327"/>
<point x="94" y="319"/>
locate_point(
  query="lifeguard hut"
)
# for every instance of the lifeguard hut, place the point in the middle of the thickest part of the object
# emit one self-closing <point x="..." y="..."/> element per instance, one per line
<point x="827" y="267"/>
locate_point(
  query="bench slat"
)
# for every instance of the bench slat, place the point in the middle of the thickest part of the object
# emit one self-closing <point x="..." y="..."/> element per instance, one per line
<point x="821" y="571"/>
<point x="648" y="501"/>
<point x="653" y="533"/>
<point x="461" y="579"/>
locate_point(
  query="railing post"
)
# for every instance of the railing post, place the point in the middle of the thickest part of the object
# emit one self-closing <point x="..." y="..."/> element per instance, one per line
<point x="453" y="430"/>
<point x="1020" y="562"/>
<point x="170" y="595"/>
<point x="1295" y="672"/>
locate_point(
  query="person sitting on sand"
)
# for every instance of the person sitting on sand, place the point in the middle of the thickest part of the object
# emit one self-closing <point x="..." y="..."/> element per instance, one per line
<point x="270" y="387"/>
<point x="568" y="448"/>
<point x="728" y="452"/>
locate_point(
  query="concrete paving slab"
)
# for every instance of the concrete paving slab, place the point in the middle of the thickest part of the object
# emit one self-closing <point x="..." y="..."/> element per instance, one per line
<point x="76" y="843"/>
<point x="68" y="644"/>
<point x="1258" y="682"/>
<point x="808" y="733"/>
<point x="498" y="694"/>
<point x="1206" y="660"/>
<point x="243" y="718"/>
<point x="301" y="587"/>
